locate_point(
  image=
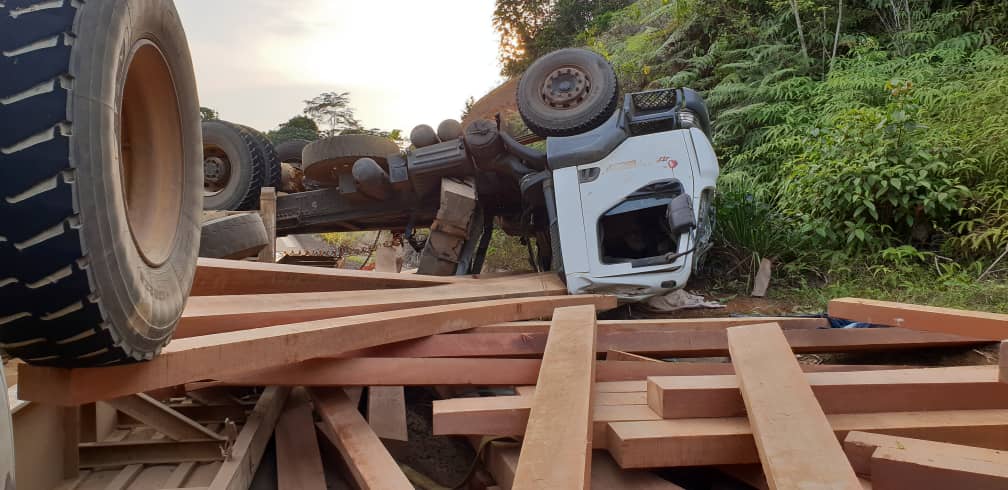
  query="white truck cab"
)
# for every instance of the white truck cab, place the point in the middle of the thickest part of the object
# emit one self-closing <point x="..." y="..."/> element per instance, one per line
<point x="633" y="196"/>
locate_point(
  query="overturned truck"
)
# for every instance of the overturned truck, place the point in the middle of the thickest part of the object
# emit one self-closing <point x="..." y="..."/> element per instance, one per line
<point x="101" y="199"/>
<point x="620" y="202"/>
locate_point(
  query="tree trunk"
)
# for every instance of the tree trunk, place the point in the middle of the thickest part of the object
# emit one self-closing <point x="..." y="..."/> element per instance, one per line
<point x="801" y="32"/>
<point x="836" y="37"/>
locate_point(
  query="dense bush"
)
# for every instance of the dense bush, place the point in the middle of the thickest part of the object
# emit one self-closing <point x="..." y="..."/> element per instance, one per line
<point x="872" y="128"/>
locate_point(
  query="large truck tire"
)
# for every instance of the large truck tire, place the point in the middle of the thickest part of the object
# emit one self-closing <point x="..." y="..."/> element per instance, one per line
<point x="100" y="197"/>
<point x="567" y="92"/>
<point x="270" y="159"/>
<point x="290" y="151"/>
<point x="233" y="168"/>
<point x="325" y="159"/>
<point x="233" y="237"/>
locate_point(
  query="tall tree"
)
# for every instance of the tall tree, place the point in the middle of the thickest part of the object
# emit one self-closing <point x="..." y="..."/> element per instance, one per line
<point x="208" y="114"/>
<point x="518" y="22"/>
<point x="532" y="28"/>
<point x="332" y="109"/>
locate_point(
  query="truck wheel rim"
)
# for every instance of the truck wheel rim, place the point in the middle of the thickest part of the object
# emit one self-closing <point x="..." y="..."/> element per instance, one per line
<point x="151" y="153"/>
<point x="566" y="87"/>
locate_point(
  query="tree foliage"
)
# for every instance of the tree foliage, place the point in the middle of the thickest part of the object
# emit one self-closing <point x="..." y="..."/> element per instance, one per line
<point x="332" y="110"/>
<point x="208" y="114"/>
<point x="297" y="127"/>
<point x="892" y="131"/>
<point x="531" y="28"/>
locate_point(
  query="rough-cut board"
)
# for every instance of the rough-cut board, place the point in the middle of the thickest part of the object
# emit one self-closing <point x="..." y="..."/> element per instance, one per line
<point x="299" y="462"/>
<point x="218" y="314"/>
<point x="1004" y="362"/>
<point x="556" y="450"/>
<point x="752" y="475"/>
<point x="925" y="469"/>
<point x="116" y="454"/>
<point x="237" y="472"/>
<point x="391" y="371"/>
<point x="226" y="277"/>
<point x="704" y="442"/>
<point x="665" y="344"/>
<point x="502" y="460"/>
<point x="951" y="388"/>
<point x="369" y="462"/>
<point x="509" y="415"/>
<point x="387" y="412"/>
<point x="674" y="324"/>
<point x="796" y="444"/>
<point x="860" y="446"/>
<point x="976" y="324"/>
<point x="223" y="355"/>
<point x="161" y="417"/>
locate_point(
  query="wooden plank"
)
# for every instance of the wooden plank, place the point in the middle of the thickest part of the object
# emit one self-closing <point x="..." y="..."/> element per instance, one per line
<point x="932" y="469"/>
<point x="213" y="396"/>
<point x="752" y="475"/>
<point x="704" y="442"/>
<point x="1004" y="362"/>
<point x="509" y="416"/>
<point x="666" y="344"/>
<point x="618" y="355"/>
<point x="976" y="324"/>
<point x="556" y="450"/>
<point x="237" y="472"/>
<point x="117" y="454"/>
<point x="203" y="414"/>
<point x="179" y="475"/>
<point x="387" y="412"/>
<point x="471" y="372"/>
<point x="267" y="210"/>
<point x="218" y="314"/>
<point x="43" y="433"/>
<point x="97" y="421"/>
<point x="125" y="477"/>
<point x="501" y="459"/>
<point x="952" y="388"/>
<point x="223" y="355"/>
<point x="369" y="462"/>
<point x="674" y="324"/>
<point x="161" y="417"/>
<point x="607" y="475"/>
<point x="860" y="446"/>
<point x="227" y="277"/>
<point x="794" y="439"/>
<point x="299" y="461"/>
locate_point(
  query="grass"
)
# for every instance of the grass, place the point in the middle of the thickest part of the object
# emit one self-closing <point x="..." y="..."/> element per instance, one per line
<point x="905" y="284"/>
<point x="918" y="287"/>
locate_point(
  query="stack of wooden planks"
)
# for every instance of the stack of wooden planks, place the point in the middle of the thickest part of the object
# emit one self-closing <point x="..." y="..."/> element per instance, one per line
<point x="286" y="353"/>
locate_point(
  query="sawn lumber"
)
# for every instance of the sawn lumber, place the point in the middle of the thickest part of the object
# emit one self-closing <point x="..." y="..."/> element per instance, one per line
<point x="795" y="442"/>
<point x="977" y="324"/>
<point x="226" y="277"/>
<point x="218" y="314"/>
<point x="950" y="388"/>
<point x="233" y="354"/>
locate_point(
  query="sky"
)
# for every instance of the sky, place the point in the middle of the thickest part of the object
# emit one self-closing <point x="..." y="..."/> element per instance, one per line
<point x="404" y="62"/>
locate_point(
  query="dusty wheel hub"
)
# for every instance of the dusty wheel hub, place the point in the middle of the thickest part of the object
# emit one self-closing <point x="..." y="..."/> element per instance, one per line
<point x="216" y="172"/>
<point x="566" y="88"/>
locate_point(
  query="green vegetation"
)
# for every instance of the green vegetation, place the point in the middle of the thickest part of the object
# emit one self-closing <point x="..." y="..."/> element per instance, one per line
<point x="298" y="127"/>
<point x="863" y="143"/>
<point x="332" y="110"/>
